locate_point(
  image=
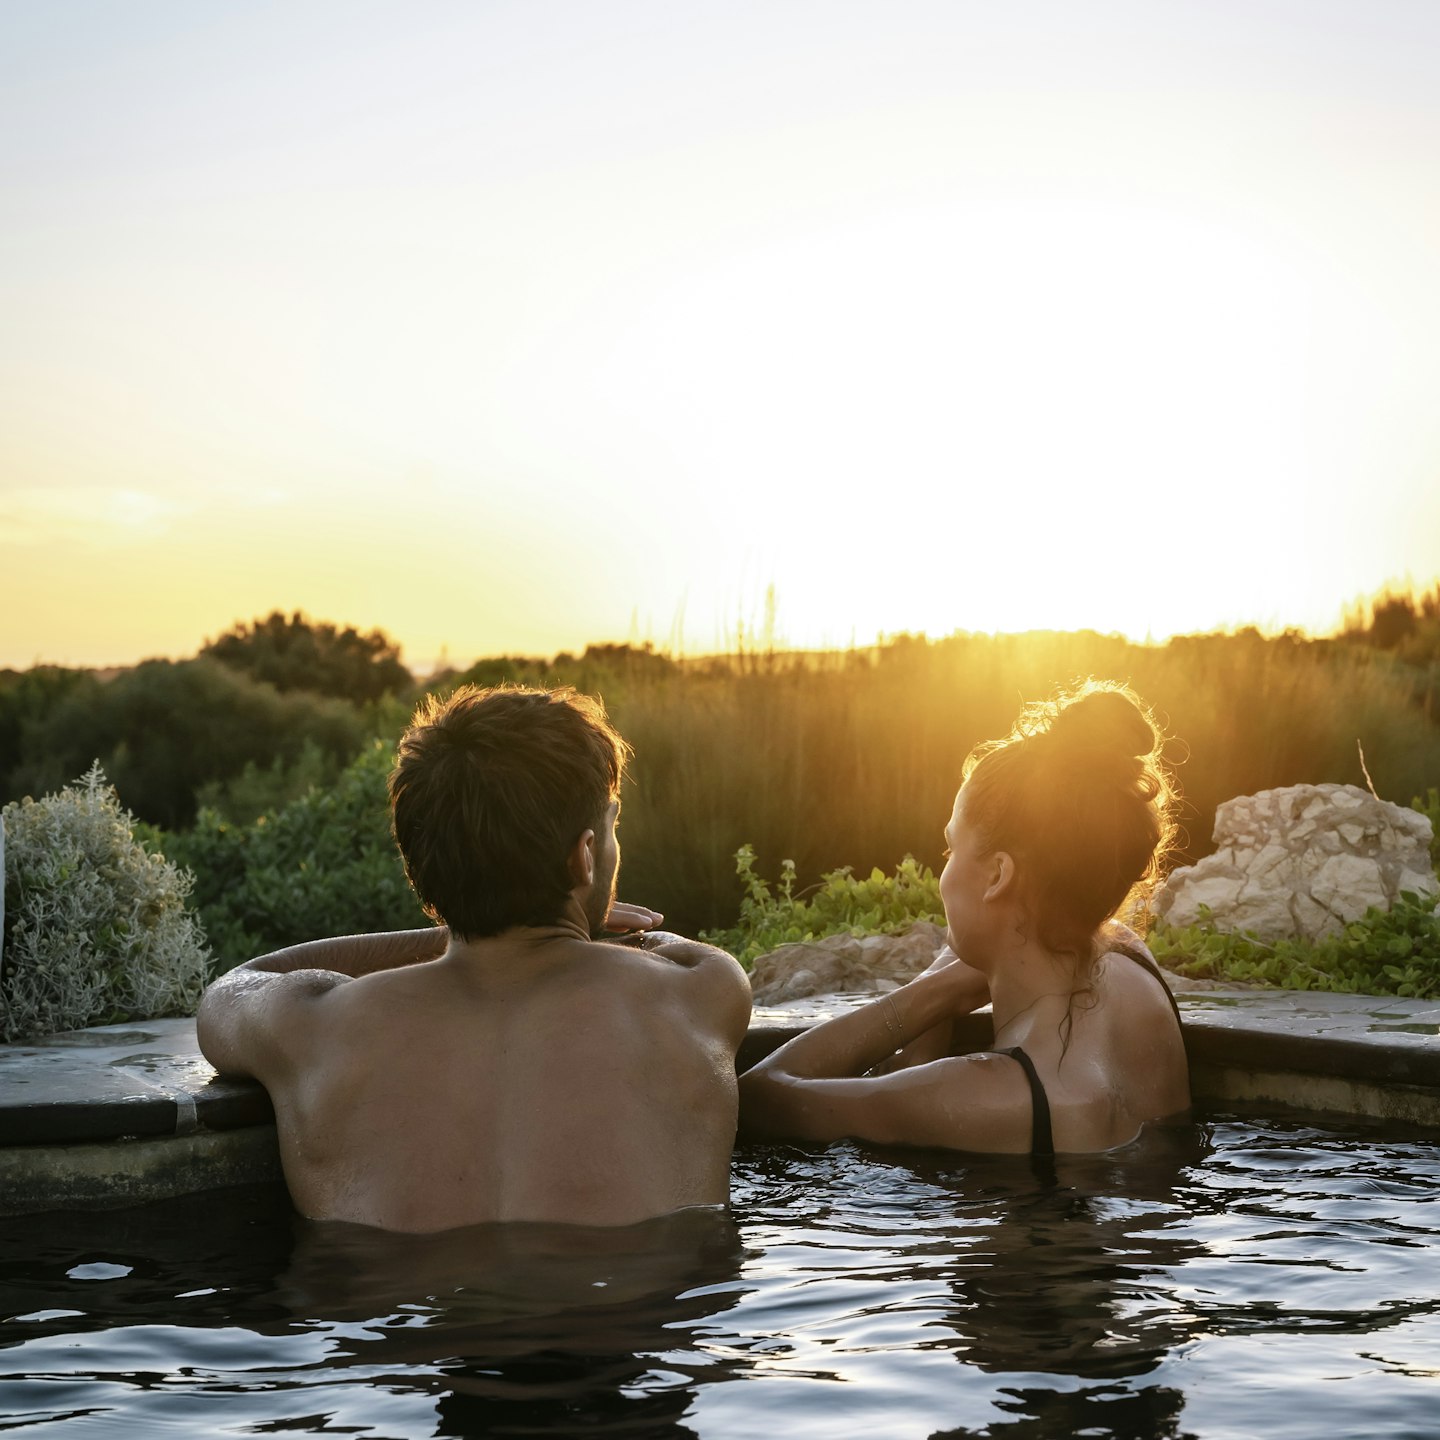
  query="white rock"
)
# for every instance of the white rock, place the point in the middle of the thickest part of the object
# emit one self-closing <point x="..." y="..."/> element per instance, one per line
<point x="1348" y="885"/>
<point x="1262" y="914"/>
<point x="1302" y="861"/>
<point x="1310" y="918"/>
<point x="1266" y="860"/>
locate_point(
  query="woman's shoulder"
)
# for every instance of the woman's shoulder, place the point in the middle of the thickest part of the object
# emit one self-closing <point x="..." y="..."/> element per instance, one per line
<point x="1132" y="970"/>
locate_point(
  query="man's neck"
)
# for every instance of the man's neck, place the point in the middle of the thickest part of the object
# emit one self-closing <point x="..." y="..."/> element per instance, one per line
<point x="520" y="940"/>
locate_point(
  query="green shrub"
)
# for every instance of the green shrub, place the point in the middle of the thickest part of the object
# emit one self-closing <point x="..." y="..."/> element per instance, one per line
<point x="260" y="789"/>
<point x="166" y="728"/>
<point x="1395" y="952"/>
<point x="297" y="653"/>
<point x="1383" y="953"/>
<point x="325" y="864"/>
<point x="96" y="929"/>
<point x="840" y="905"/>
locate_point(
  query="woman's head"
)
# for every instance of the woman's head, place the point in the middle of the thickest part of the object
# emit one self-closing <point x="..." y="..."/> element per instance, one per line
<point x="1078" y="796"/>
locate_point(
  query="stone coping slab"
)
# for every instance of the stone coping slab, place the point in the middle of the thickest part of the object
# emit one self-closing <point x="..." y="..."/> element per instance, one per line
<point x="149" y="1079"/>
<point x="120" y="1114"/>
<point x="146" y="1078"/>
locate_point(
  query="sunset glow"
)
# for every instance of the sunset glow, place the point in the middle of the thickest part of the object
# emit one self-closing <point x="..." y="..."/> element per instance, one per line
<point x="517" y="327"/>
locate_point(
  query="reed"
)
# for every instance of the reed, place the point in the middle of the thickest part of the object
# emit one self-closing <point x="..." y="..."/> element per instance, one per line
<point x="852" y="758"/>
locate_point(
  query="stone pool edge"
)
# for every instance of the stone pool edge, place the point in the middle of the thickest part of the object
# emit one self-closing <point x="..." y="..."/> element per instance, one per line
<point x="123" y="1114"/>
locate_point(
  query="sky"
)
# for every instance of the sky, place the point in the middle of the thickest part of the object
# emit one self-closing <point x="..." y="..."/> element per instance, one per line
<point x="512" y="327"/>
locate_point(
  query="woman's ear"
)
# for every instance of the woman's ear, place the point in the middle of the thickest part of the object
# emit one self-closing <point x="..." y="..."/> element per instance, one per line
<point x="999" y="874"/>
<point x="581" y="862"/>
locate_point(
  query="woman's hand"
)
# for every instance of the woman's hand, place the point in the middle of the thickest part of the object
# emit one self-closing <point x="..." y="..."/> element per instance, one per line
<point x="946" y="958"/>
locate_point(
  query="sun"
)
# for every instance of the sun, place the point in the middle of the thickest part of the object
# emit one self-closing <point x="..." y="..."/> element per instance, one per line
<point x="949" y="418"/>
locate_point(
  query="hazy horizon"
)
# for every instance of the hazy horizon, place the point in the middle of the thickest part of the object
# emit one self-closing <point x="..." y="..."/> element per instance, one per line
<point x="754" y="637"/>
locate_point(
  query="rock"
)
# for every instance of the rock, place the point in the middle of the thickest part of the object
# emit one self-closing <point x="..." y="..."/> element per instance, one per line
<point x="1302" y="862"/>
<point x="844" y="964"/>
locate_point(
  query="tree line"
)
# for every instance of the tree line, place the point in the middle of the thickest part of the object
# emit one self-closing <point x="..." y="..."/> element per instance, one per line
<point x="846" y="758"/>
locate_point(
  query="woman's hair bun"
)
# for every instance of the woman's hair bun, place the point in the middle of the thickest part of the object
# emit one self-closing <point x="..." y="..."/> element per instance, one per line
<point x="1100" y="719"/>
<point x="1079" y="791"/>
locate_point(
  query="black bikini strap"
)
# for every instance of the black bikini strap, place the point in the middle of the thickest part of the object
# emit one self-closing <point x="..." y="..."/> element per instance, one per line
<point x="1146" y="963"/>
<point x="1041" y="1140"/>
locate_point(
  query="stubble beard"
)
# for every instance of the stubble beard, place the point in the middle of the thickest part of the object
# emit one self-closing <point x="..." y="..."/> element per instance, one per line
<point x="602" y="897"/>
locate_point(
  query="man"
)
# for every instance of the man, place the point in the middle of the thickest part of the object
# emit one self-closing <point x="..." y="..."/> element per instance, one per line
<point x="504" y="1065"/>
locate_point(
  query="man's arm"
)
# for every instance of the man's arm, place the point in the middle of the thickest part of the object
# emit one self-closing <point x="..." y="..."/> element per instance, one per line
<point x="251" y="1017"/>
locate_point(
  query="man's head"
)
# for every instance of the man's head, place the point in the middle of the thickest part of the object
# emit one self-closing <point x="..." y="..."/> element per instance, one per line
<point x="492" y="794"/>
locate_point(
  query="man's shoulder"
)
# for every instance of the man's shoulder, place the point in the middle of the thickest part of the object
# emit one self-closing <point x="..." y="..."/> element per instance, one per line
<point x="707" y="983"/>
<point x="663" y="955"/>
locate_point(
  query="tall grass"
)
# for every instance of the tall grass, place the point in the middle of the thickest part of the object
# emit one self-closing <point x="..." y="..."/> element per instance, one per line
<point x="829" y="760"/>
<point x="853" y="758"/>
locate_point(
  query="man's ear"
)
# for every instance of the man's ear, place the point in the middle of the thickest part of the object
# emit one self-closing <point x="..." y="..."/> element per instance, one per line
<point x="581" y="861"/>
<point x="999" y="874"/>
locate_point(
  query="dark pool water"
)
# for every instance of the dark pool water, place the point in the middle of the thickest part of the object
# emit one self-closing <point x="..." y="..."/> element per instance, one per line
<point x="1261" y="1277"/>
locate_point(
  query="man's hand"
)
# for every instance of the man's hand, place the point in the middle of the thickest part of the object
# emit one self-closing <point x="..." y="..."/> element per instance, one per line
<point x="627" y="919"/>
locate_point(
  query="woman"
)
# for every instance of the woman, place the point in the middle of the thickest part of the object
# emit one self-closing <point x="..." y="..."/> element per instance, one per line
<point x="1053" y="829"/>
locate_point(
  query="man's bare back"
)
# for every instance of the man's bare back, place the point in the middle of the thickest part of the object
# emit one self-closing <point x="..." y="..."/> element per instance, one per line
<point x="504" y="1065"/>
<point x="534" y="1075"/>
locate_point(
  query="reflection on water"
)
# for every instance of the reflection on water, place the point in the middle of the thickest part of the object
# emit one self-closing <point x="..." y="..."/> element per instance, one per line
<point x="1272" y="1278"/>
<point x="521" y="1329"/>
<point x="1071" y="1278"/>
<point x="1030" y="1268"/>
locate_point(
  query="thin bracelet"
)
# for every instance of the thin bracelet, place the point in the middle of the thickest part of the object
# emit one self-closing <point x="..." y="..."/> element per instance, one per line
<point x="892" y="1022"/>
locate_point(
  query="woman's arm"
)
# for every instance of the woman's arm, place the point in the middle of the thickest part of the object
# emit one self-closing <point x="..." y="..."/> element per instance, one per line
<point x="812" y="1086"/>
<point x="938" y="1041"/>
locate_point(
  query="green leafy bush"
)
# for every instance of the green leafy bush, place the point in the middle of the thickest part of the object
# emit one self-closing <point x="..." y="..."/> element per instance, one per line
<point x="1383" y="953"/>
<point x="297" y="653"/>
<point x="325" y="864"/>
<point x="260" y="789"/>
<point x="840" y="905"/>
<point x="96" y="929"/>
<point x="166" y="728"/>
<point x="1395" y="952"/>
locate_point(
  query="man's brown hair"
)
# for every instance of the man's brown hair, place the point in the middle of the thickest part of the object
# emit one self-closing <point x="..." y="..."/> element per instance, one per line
<point x="490" y="791"/>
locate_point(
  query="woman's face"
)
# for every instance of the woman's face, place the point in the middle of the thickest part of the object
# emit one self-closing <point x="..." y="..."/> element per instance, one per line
<point x="963" y="882"/>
